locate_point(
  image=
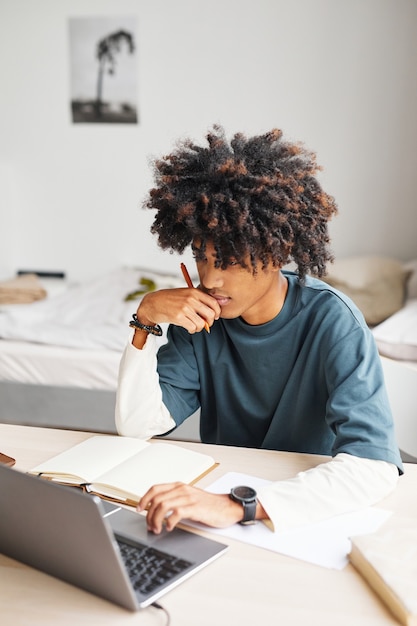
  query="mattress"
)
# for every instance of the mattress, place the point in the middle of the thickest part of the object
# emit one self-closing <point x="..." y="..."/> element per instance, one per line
<point x="39" y="364"/>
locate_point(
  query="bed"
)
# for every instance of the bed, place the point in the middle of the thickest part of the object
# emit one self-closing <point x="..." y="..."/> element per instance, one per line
<point x="59" y="355"/>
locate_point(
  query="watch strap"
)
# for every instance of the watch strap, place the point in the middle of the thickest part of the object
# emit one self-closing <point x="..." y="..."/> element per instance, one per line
<point x="249" y="512"/>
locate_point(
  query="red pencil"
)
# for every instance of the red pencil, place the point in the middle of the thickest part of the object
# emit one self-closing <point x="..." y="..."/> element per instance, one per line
<point x="190" y="284"/>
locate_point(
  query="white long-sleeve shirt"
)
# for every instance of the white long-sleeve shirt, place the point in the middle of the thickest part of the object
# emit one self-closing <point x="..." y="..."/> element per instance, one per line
<point x="344" y="483"/>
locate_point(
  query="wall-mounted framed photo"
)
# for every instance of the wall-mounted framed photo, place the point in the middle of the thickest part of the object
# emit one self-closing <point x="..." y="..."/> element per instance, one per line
<point x="103" y="70"/>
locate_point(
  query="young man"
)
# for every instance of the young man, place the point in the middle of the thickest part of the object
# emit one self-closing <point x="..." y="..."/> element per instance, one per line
<point x="288" y="364"/>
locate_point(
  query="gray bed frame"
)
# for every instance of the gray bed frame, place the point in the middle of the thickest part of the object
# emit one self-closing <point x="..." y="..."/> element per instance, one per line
<point x="57" y="407"/>
<point x="71" y="408"/>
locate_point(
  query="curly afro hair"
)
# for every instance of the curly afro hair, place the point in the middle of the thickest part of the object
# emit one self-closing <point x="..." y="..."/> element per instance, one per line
<point x="254" y="199"/>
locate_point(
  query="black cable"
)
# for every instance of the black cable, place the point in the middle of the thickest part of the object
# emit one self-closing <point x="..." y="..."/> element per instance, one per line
<point x="156" y="605"/>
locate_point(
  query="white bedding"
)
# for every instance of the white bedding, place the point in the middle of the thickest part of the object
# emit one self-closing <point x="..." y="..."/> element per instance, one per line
<point x="396" y="337"/>
<point x="92" y="316"/>
<point x="74" y="338"/>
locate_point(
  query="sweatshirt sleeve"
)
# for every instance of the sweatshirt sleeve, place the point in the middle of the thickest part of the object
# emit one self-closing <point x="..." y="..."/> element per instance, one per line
<point x="346" y="483"/>
<point x="140" y="411"/>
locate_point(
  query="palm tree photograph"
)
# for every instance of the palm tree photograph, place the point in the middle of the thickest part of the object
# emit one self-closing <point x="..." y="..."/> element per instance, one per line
<point x="103" y="68"/>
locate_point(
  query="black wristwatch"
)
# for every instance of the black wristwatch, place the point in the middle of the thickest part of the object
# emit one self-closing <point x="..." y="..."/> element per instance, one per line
<point x="246" y="496"/>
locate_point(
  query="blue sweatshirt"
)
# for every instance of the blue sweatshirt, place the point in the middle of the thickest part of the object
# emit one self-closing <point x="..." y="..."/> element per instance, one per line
<point x="310" y="380"/>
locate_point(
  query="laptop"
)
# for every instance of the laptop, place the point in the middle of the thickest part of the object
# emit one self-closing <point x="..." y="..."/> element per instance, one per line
<point x="95" y="545"/>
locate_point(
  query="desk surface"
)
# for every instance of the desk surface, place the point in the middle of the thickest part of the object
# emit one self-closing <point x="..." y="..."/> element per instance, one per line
<point x="247" y="585"/>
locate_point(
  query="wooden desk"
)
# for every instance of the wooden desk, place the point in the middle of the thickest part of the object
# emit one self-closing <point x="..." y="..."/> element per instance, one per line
<point x="246" y="586"/>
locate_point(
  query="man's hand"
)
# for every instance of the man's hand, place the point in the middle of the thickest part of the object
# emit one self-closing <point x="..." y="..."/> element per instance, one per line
<point x="168" y="504"/>
<point x="186" y="307"/>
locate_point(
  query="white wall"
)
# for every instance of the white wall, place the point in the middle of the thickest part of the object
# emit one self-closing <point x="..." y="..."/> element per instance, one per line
<point x="336" y="74"/>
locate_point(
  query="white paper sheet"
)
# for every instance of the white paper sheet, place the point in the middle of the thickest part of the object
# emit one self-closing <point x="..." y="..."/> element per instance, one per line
<point x="325" y="543"/>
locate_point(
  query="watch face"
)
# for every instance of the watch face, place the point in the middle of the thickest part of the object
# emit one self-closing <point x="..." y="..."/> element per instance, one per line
<point x="244" y="493"/>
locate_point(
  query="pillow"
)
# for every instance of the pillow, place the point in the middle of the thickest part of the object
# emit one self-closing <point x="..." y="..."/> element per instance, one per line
<point x="377" y="285"/>
<point x="396" y="338"/>
<point x="411" y="266"/>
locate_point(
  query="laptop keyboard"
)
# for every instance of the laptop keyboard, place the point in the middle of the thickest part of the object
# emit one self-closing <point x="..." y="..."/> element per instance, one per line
<point x="149" y="568"/>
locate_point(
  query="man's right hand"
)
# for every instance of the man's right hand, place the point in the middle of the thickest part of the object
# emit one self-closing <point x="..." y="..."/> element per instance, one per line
<point x="188" y="307"/>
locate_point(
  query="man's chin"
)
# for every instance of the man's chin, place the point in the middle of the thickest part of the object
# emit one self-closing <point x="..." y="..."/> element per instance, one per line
<point x="228" y="315"/>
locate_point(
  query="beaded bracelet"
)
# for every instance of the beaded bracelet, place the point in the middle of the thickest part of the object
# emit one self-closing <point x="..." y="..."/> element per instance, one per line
<point x="153" y="330"/>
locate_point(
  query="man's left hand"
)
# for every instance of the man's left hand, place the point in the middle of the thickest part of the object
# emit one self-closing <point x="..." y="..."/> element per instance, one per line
<point x="168" y="504"/>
